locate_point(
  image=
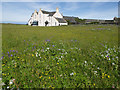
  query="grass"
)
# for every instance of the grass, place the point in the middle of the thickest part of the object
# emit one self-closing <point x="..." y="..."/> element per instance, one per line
<point x="83" y="56"/>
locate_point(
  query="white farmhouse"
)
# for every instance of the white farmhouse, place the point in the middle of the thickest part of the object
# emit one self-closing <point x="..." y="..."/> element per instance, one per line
<point x="45" y="18"/>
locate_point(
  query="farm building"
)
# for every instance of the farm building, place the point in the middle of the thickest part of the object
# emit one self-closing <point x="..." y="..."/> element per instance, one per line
<point x="45" y="18"/>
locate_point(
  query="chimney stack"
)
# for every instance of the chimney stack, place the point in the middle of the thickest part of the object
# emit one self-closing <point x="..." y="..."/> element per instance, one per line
<point x="57" y="9"/>
<point x="35" y="11"/>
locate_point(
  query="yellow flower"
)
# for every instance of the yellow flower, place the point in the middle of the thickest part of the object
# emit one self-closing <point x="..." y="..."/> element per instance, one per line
<point x="57" y="63"/>
<point x="18" y="57"/>
<point x="105" y="74"/>
<point x="46" y="74"/>
<point x="108" y="76"/>
<point x="22" y="59"/>
<point x="32" y="54"/>
<point x="94" y="84"/>
<point x="8" y="67"/>
<point x="49" y="77"/>
<point x="74" y="73"/>
<point x="42" y="72"/>
<point x="3" y="64"/>
<point x="102" y="76"/>
<point x="40" y="77"/>
<point x="102" y="73"/>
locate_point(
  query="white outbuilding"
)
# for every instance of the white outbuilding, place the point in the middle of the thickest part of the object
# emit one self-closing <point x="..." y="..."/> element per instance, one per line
<point x="45" y="18"/>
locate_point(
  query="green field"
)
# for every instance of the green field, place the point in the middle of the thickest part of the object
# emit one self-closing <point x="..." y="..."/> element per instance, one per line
<point x="84" y="56"/>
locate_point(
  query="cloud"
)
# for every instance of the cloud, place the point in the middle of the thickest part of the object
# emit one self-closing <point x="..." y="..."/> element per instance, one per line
<point x="60" y="0"/>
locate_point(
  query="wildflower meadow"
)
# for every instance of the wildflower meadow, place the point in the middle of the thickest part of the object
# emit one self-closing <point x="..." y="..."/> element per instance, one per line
<point x="84" y="56"/>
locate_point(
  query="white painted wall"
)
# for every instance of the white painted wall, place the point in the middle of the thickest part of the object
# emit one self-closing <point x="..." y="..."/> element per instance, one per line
<point x="42" y="18"/>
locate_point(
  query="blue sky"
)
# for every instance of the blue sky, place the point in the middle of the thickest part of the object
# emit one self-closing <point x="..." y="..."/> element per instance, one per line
<point x="20" y="12"/>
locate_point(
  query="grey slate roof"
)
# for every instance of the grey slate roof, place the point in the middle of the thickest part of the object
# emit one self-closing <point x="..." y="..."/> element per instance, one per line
<point x="70" y="19"/>
<point x="61" y="20"/>
<point x="50" y="13"/>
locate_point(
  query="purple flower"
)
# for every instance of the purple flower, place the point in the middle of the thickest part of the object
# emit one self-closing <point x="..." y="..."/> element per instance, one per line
<point x="24" y="40"/>
<point x="107" y="56"/>
<point x="8" y="52"/>
<point x="75" y="40"/>
<point x="53" y="45"/>
<point x="13" y="50"/>
<point x="47" y="40"/>
<point x="34" y="46"/>
<point x="16" y="51"/>
<point x="30" y="80"/>
<point x="11" y="55"/>
<point x="2" y="57"/>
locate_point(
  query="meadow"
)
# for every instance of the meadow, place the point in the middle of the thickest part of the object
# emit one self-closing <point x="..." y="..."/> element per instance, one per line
<point x="84" y="56"/>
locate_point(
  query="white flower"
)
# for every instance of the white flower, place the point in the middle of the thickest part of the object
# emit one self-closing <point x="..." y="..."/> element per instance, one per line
<point x="36" y="55"/>
<point x="39" y="54"/>
<point x="7" y="87"/>
<point x="11" y="82"/>
<point x="117" y="57"/>
<point x="98" y="68"/>
<point x="61" y="56"/>
<point x="102" y="55"/>
<point x="85" y="61"/>
<point x="65" y="52"/>
<point x="38" y="60"/>
<point x="72" y="73"/>
<point x="48" y="48"/>
<point x="95" y="72"/>
<point x="109" y="58"/>
<point x="113" y="63"/>
<point x="58" y="49"/>
<point x="73" y="59"/>
<point x="91" y="62"/>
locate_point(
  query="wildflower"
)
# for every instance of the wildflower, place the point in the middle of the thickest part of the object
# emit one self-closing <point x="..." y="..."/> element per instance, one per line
<point x="95" y="72"/>
<point x="11" y="82"/>
<point x="39" y="54"/>
<point x="98" y="68"/>
<point x="7" y="87"/>
<point x="85" y="61"/>
<point x="105" y="74"/>
<point x="11" y="55"/>
<point x="40" y="77"/>
<point x="109" y="59"/>
<point x="32" y="54"/>
<point x="65" y="52"/>
<point x="94" y="84"/>
<point x="30" y="80"/>
<point x="53" y="45"/>
<point x="48" y="48"/>
<point x="18" y="57"/>
<point x="49" y="77"/>
<point x="57" y="63"/>
<point x="108" y="76"/>
<point x="72" y="73"/>
<point x="113" y="63"/>
<point x="102" y="76"/>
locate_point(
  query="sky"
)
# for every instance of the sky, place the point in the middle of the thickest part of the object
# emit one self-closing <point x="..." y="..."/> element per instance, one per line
<point x="20" y="12"/>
